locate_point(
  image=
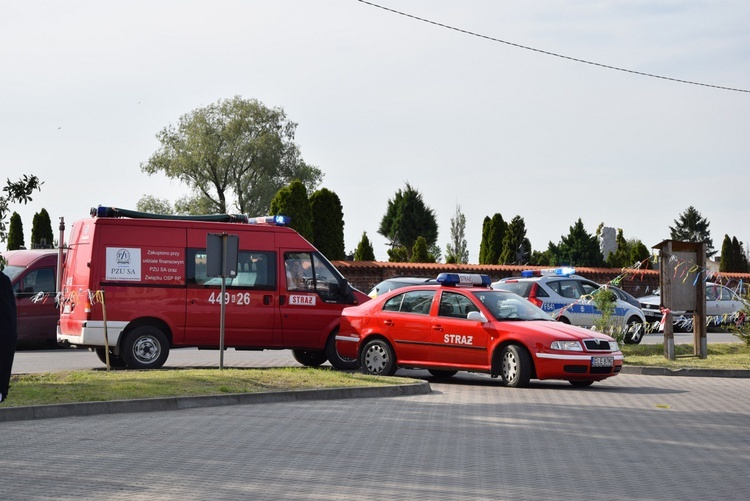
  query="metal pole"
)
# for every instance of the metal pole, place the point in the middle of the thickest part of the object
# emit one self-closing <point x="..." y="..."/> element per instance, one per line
<point x="223" y="302"/>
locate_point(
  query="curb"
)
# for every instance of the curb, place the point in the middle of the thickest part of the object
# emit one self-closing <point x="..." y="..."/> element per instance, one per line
<point x="178" y="403"/>
<point x="663" y="371"/>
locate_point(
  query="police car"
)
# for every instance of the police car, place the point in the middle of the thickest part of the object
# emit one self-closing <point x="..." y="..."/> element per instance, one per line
<point x="462" y="324"/>
<point x="568" y="297"/>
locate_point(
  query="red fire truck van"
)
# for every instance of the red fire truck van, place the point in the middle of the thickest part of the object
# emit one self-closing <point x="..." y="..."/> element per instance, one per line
<point x="135" y="284"/>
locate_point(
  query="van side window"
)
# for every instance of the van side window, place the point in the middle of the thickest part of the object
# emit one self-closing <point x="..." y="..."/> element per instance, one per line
<point x="311" y="272"/>
<point x="36" y="281"/>
<point x="255" y="270"/>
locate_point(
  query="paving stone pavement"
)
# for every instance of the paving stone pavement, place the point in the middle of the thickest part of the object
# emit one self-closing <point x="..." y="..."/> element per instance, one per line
<point x="633" y="437"/>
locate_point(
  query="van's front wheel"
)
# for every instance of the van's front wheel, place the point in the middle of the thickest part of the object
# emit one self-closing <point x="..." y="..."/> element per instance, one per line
<point x="309" y="358"/>
<point x="145" y="348"/>
<point x="339" y="362"/>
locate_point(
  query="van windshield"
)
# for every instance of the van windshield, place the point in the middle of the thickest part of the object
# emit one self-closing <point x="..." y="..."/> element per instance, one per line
<point x="13" y="271"/>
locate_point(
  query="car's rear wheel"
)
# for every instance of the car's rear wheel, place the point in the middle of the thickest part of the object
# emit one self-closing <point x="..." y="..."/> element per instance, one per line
<point x="516" y="366"/>
<point x="310" y="358"/>
<point x="581" y="384"/>
<point x="635" y="331"/>
<point x="442" y="373"/>
<point x="564" y="320"/>
<point x="339" y="362"/>
<point x="115" y="361"/>
<point x="145" y="347"/>
<point x="378" y="358"/>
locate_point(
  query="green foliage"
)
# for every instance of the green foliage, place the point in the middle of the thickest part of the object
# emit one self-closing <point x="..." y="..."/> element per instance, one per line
<point x="457" y="250"/>
<point x="364" y="250"/>
<point x="398" y="254"/>
<point x="328" y="224"/>
<point x="541" y="258"/>
<point x="579" y="248"/>
<point x="41" y="231"/>
<point x="605" y="300"/>
<point x="692" y="227"/>
<point x="154" y="205"/>
<point x="292" y="201"/>
<point x="516" y="247"/>
<point x="485" y="238"/>
<point x="733" y="258"/>
<point x="15" y="233"/>
<point x="234" y="153"/>
<point x="20" y="192"/>
<point x="628" y="253"/>
<point x="408" y="218"/>
<point x="420" y="253"/>
<point x="493" y="233"/>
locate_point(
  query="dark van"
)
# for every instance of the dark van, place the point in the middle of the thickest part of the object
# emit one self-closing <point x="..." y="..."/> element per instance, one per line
<point x="32" y="274"/>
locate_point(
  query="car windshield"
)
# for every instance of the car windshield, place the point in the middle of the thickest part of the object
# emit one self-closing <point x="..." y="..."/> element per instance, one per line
<point x="520" y="288"/>
<point x="13" y="271"/>
<point x="509" y="306"/>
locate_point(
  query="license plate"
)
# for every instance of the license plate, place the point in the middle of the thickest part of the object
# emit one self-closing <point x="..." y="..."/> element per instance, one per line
<point x="602" y="361"/>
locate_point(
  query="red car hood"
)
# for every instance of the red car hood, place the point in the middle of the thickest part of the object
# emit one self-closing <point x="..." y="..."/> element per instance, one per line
<point x="557" y="330"/>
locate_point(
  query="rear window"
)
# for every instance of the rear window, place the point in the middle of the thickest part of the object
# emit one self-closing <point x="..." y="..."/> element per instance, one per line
<point x="520" y="288"/>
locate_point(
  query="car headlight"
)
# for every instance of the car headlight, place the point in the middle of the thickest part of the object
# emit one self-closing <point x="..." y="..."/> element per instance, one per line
<point x="613" y="346"/>
<point x="566" y="345"/>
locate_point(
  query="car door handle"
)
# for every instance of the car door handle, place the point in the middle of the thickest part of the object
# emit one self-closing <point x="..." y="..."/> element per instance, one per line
<point x="267" y="299"/>
<point x="437" y="327"/>
<point x="389" y="323"/>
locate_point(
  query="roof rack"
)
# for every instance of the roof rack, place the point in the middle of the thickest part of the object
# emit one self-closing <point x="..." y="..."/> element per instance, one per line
<point x="113" y="212"/>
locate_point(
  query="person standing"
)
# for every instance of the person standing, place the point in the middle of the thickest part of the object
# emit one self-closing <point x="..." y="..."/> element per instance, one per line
<point x="8" y="333"/>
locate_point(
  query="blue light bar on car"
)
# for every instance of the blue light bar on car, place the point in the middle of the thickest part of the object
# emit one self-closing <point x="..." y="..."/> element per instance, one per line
<point x="463" y="279"/>
<point x="275" y="220"/>
<point x="564" y="271"/>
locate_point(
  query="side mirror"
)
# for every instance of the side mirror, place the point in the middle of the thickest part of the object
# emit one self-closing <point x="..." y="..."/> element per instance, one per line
<point x="477" y="316"/>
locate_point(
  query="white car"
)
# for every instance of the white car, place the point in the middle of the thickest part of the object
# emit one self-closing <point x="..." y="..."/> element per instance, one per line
<point x="567" y="297"/>
<point x="723" y="307"/>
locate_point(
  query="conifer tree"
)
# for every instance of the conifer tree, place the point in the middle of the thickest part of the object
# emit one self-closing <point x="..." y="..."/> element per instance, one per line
<point x="364" y="251"/>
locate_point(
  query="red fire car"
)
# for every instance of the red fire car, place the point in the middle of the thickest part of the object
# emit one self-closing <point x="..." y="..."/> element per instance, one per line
<point x="463" y="325"/>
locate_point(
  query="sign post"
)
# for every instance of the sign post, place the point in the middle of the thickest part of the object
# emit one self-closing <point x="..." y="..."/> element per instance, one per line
<point x="222" y="251"/>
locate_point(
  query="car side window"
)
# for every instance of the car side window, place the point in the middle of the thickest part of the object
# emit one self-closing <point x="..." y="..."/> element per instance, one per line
<point x="41" y="280"/>
<point x="711" y="293"/>
<point x="455" y="305"/>
<point x="590" y="287"/>
<point x="569" y="289"/>
<point x="411" y="302"/>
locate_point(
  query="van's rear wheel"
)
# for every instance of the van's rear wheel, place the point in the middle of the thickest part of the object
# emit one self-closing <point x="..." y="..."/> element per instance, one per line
<point x="339" y="362"/>
<point x="310" y="358"/>
<point x="145" y="348"/>
<point x="115" y="362"/>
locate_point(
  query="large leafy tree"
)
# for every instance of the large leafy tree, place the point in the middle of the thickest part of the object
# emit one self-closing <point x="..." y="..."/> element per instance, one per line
<point x="235" y="154"/>
<point x="328" y="223"/>
<point x="364" y="251"/>
<point x="406" y="219"/>
<point x="292" y="201"/>
<point x="516" y="247"/>
<point x="692" y="227"/>
<point x="41" y="231"/>
<point x="457" y="250"/>
<point x="579" y="248"/>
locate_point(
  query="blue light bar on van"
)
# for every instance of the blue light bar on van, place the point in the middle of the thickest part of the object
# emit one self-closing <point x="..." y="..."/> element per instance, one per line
<point x="564" y="271"/>
<point x="463" y="279"/>
<point x="276" y="220"/>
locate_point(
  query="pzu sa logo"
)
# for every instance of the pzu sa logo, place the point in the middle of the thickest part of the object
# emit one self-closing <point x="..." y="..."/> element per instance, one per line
<point x="123" y="257"/>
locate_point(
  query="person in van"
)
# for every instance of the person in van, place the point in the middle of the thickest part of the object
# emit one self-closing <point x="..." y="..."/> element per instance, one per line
<point x="295" y="278"/>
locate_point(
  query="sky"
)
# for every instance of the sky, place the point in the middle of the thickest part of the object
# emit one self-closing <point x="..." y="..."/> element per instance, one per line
<point x="382" y="99"/>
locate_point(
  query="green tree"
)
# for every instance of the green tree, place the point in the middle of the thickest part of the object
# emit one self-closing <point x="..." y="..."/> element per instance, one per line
<point x="154" y="205"/>
<point x="420" y="252"/>
<point x="485" y="238"/>
<point x="364" y="251"/>
<point x="516" y="247"/>
<point x="328" y="223"/>
<point x="579" y="248"/>
<point x="15" y="233"/>
<point x="727" y="259"/>
<point x="740" y="258"/>
<point x="628" y="253"/>
<point x="496" y="231"/>
<point x="234" y="153"/>
<point x="408" y="218"/>
<point x="292" y="201"/>
<point x="457" y="250"/>
<point x="692" y="227"/>
<point x="41" y="231"/>
<point x="20" y="192"/>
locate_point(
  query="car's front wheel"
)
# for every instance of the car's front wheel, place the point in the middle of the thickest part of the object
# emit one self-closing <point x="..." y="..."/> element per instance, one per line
<point x="378" y="359"/>
<point x="516" y="366"/>
<point x="634" y="332"/>
<point x="581" y="384"/>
